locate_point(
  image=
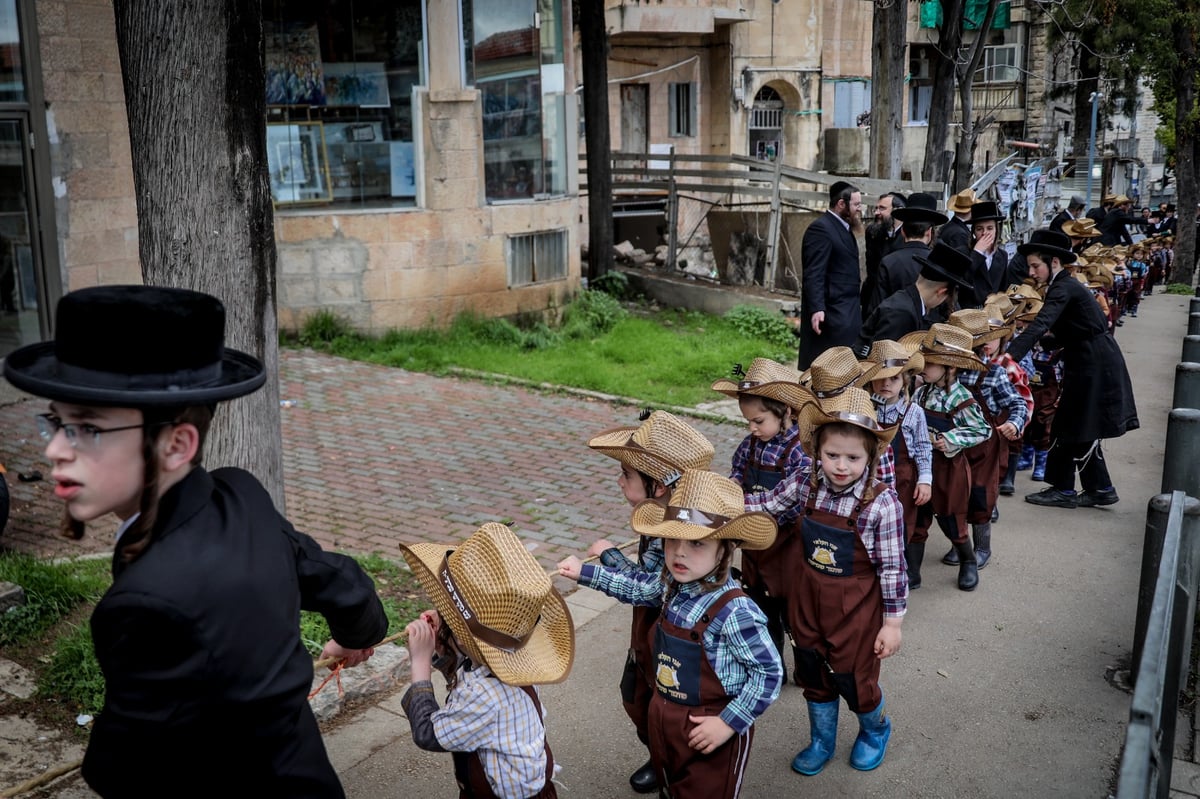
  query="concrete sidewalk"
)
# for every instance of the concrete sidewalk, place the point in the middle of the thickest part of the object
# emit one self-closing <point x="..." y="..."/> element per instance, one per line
<point x="1012" y="690"/>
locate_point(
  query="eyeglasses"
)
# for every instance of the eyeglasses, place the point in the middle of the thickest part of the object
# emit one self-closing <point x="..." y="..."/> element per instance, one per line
<point x="81" y="435"/>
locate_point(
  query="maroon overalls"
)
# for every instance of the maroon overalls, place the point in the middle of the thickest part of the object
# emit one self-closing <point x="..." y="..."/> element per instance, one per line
<point x="906" y="476"/>
<point x="988" y="461"/>
<point x="472" y="780"/>
<point x="687" y="686"/>
<point x="637" y="681"/>
<point x="836" y="610"/>
<point x="1046" y="390"/>
<point x="951" y="484"/>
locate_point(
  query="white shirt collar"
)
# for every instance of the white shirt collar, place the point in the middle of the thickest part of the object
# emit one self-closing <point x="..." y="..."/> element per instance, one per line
<point x="845" y="224"/>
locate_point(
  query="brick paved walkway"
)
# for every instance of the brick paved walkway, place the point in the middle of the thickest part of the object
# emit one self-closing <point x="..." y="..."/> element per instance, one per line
<point x="374" y="456"/>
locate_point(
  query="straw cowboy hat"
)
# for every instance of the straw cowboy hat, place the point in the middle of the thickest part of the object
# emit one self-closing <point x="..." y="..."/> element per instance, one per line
<point x="950" y="345"/>
<point x="911" y="342"/>
<point x="705" y="505"/>
<point x="961" y="203"/>
<point x="977" y="322"/>
<point x="891" y="358"/>
<point x="1030" y="311"/>
<point x="500" y="605"/>
<point x="835" y="370"/>
<point x="662" y="446"/>
<point x="1050" y="243"/>
<point x="854" y="407"/>
<point x="1084" y="228"/>
<point x="766" y="378"/>
<point x="1022" y="296"/>
<point x="1004" y="325"/>
<point x="1002" y="304"/>
<point x="1109" y="198"/>
<point x="102" y="353"/>
<point x="921" y="207"/>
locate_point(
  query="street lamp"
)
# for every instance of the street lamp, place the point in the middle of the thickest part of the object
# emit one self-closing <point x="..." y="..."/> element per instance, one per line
<point x="1094" y="100"/>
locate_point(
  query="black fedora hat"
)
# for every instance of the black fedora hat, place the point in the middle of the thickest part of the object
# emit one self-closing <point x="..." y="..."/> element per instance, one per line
<point x="921" y="207"/>
<point x="985" y="211"/>
<point x="136" y="347"/>
<point x="1048" y="242"/>
<point x="946" y="264"/>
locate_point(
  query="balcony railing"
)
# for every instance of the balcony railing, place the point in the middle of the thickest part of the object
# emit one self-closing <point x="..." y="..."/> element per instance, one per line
<point x="997" y="97"/>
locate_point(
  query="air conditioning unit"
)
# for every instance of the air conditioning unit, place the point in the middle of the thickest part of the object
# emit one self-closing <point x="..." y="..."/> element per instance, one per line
<point x="919" y="68"/>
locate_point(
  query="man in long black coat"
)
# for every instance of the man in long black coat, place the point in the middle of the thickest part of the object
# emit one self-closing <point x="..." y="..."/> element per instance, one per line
<point x="944" y="271"/>
<point x="900" y="268"/>
<point x="1113" y="228"/>
<point x="1073" y="211"/>
<point x="830" y="307"/>
<point x="1097" y="396"/>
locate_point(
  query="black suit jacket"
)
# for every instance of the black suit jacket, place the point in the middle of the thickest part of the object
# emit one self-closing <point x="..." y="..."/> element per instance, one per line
<point x="957" y="234"/>
<point x="896" y="316"/>
<point x="897" y="270"/>
<point x="829" y="263"/>
<point x="1113" y="230"/>
<point x="989" y="281"/>
<point x="1060" y="219"/>
<point x="199" y="642"/>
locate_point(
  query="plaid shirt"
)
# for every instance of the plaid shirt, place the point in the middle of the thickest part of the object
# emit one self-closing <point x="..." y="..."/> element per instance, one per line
<point x="495" y="720"/>
<point x="880" y="526"/>
<point x="1020" y="381"/>
<point x="650" y="561"/>
<point x="737" y="644"/>
<point x="914" y="430"/>
<point x="999" y="392"/>
<point x="970" y="428"/>
<point x="1039" y="354"/>
<point x="781" y="501"/>
<point x="767" y="454"/>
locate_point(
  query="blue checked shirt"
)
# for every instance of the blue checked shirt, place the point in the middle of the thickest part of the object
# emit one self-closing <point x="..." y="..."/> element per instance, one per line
<point x="486" y="716"/>
<point x="999" y="393"/>
<point x="780" y="501"/>
<point x="914" y="430"/>
<point x="970" y="428"/>
<point x="880" y="526"/>
<point x="650" y="561"/>
<point x="737" y="644"/>
<point x="767" y="454"/>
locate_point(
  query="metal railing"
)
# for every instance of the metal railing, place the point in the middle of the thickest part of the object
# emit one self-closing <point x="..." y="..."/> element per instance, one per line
<point x="1166" y="610"/>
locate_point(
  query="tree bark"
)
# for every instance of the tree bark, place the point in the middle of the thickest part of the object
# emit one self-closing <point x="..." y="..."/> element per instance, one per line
<point x="594" y="39"/>
<point x="941" y="105"/>
<point x="964" y="149"/>
<point x="195" y="94"/>
<point x="888" y="50"/>
<point x="1187" y="146"/>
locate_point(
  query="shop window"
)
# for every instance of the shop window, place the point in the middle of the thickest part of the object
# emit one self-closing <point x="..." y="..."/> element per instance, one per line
<point x="537" y="257"/>
<point x="681" y="112"/>
<point x="515" y="60"/>
<point x="340" y="78"/>
<point x="12" y="81"/>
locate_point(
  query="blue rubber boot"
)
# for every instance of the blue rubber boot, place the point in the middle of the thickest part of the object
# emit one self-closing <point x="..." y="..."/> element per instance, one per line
<point x="822" y="722"/>
<point x="869" y="747"/>
<point x="1025" y="460"/>
<point x="1039" y="465"/>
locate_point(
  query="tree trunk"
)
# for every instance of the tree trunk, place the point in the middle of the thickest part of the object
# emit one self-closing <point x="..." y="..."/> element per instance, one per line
<point x="887" y="89"/>
<point x="195" y="94"/>
<point x="941" y="104"/>
<point x="964" y="149"/>
<point x="1187" y="149"/>
<point x="594" y="40"/>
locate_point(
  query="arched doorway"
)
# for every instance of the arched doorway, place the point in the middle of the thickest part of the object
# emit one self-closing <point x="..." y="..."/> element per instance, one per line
<point x="766" y="125"/>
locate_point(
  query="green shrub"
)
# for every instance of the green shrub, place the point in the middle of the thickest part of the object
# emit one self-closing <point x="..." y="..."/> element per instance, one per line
<point x="324" y="327"/>
<point x="592" y="313"/>
<point x="757" y="323"/>
<point x="52" y="592"/>
<point x="615" y="284"/>
<point x="73" y="675"/>
<point x="1178" y="288"/>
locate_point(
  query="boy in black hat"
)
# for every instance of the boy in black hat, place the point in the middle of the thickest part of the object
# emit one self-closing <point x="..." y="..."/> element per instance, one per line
<point x="198" y="637"/>
<point x="989" y="261"/>
<point x="944" y="272"/>
<point x="899" y="268"/>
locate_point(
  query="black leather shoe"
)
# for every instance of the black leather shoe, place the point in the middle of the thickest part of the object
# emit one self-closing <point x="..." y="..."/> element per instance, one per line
<point x="1094" y="499"/>
<point x="645" y="779"/>
<point x="996" y="514"/>
<point x="1053" y="498"/>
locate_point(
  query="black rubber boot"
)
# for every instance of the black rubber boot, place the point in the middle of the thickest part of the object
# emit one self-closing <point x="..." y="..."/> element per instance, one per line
<point x="951" y="557"/>
<point x="968" y="569"/>
<point x="981" y="534"/>
<point x="645" y="779"/>
<point x="913" y="555"/>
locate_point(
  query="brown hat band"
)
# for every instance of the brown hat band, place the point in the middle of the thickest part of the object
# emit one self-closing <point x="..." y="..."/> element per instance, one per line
<point x="488" y="635"/>
<point x="833" y="392"/>
<point x="672" y="477"/>
<point x="695" y="516"/>
<point x="937" y="342"/>
<point x="891" y="362"/>
<point x="854" y="418"/>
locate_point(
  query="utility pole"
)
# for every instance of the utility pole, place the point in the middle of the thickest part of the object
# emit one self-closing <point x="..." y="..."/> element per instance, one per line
<point x="1095" y="101"/>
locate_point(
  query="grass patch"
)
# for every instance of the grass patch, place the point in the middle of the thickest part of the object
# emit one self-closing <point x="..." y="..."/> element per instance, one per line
<point x="50" y="635"/>
<point x="1177" y="288"/>
<point x="657" y="356"/>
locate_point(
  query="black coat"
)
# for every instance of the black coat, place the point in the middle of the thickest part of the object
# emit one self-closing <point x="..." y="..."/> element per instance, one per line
<point x="1097" y="397"/>
<point x="829" y="262"/>
<point x="1060" y="219"/>
<point x="957" y="234"/>
<point x="989" y="281"/>
<point x="898" y="315"/>
<point x="206" y="678"/>
<point x="1113" y="230"/>
<point x="897" y="270"/>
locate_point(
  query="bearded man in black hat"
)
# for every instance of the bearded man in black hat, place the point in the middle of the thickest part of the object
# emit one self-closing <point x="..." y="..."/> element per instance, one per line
<point x="1097" y="396"/>
<point x="883" y="236"/>
<point x="918" y="220"/>
<point x="206" y="677"/>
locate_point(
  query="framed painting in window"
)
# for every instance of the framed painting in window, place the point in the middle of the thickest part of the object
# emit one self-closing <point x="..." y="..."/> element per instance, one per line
<point x="298" y="163"/>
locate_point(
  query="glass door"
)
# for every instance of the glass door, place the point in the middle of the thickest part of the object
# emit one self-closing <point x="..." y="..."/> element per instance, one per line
<point x="20" y="290"/>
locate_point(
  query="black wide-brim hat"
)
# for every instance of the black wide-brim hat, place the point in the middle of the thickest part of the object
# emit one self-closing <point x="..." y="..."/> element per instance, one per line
<point x="1048" y="242"/>
<point x="921" y="207"/>
<point x="946" y="264"/>
<point x="985" y="211"/>
<point x="136" y="347"/>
